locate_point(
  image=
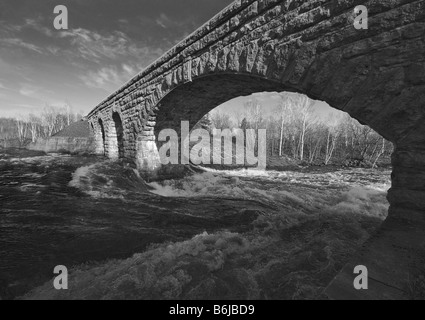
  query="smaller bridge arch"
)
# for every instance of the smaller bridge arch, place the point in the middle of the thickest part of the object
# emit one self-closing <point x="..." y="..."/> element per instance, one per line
<point x="99" y="136"/>
<point x="116" y="135"/>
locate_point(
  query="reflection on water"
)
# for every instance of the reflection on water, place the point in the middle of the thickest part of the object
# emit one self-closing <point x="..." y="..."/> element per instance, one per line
<point x="62" y="210"/>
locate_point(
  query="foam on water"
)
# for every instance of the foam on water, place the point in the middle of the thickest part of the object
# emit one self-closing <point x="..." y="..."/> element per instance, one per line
<point x="93" y="182"/>
<point x="304" y="227"/>
<point x="332" y="191"/>
<point x="107" y="180"/>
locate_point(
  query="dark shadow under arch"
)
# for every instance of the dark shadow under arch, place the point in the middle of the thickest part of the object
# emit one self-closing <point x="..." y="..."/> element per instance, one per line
<point x="103" y="141"/>
<point x="119" y="134"/>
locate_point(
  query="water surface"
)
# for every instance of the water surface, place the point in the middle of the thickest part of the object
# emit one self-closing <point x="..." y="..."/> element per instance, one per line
<point x="84" y="212"/>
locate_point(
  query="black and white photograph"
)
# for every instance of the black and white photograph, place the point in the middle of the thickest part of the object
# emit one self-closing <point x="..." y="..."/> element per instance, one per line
<point x="212" y="155"/>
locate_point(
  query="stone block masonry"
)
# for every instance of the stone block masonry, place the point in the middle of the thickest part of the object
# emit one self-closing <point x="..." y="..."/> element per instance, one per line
<point x="310" y="47"/>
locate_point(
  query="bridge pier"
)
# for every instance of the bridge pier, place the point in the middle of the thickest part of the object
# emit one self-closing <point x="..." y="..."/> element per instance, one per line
<point x="147" y="159"/>
<point x="395" y="255"/>
<point x="99" y="137"/>
<point x="407" y="195"/>
<point x="112" y="145"/>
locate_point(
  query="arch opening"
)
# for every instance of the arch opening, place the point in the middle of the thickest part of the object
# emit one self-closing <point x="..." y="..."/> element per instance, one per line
<point x="192" y="101"/>
<point x="101" y="138"/>
<point x="118" y="137"/>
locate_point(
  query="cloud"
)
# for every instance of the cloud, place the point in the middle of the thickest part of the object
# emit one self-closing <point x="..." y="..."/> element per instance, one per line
<point x="36" y="93"/>
<point x="53" y="50"/>
<point x="110" y="78"/>
<point x="163" y="20"/>
<point x="16" y="42"/>
<point x="77" y="44"/>
<point x="93" y="46"/>
<point x="96" y="47"/>
<point x="37" y="25"/>
<point x="27" y="91"/>
<point x="5" y="89"/>
<point x="100" y="51"/>
<point x="10" y="28"/>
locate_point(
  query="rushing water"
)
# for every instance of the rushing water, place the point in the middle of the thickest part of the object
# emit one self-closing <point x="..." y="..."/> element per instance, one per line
<point x="84" y="212"/>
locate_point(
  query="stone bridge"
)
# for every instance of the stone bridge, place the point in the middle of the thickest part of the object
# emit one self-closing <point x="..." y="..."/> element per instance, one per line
<point x="310" y="47"/>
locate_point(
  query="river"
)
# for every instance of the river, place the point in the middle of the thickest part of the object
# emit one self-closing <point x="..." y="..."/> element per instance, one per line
<point x="238" y="234"/>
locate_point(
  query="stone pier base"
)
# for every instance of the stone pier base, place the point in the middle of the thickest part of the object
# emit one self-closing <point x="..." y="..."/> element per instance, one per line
<point x="395" y="256"/>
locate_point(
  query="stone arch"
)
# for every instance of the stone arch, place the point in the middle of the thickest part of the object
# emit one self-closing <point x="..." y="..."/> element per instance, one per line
<point x="310" y="47"/>
<point x="351" y="70"/>
<point x="99" y="136"/>
<point x="191" y="100"/>
<point x="116" y="136"/>
<point x="377" y="103"/>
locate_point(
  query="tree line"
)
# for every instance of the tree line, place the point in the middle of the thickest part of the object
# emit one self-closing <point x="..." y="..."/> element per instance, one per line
<point x="296" y="130"/>
<point x="20" y="130"/>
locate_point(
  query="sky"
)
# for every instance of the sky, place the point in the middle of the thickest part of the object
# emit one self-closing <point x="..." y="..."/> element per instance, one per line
<point x="106" y="44"/>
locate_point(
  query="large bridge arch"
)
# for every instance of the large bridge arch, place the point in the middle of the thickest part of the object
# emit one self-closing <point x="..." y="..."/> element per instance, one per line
<point x="310" y="47"/>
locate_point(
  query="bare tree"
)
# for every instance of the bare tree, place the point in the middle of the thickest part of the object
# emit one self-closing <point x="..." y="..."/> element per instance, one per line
<point x="286" y="113"/>
<point x="254" y="113"/>
<point x="2" y="135"/>
<point x="49" y="120"/>
<point x="34" y="124"/>
<point x="332" y="123"/>
<point x="304" y="107"/>
<point x="379" y="155"/>
<point x="294" y="129"/>
<point x="221" y="120"/>
<point x="22" y="129"/>
<point x="68" y="114"/>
